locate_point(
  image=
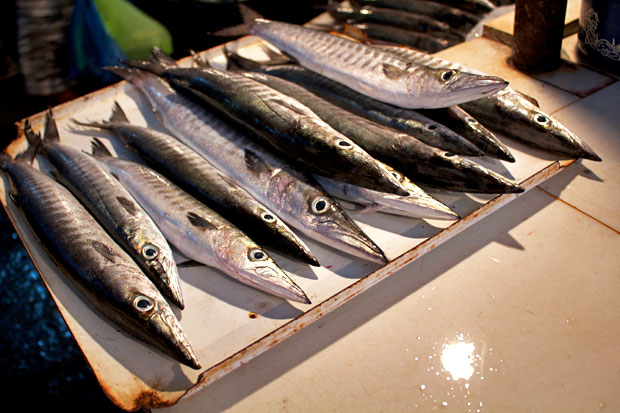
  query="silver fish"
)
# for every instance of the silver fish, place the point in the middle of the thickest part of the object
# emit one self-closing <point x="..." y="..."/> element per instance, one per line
<point x="510" y="113"/>
<point x="197" y="231"/>
<point x="109" y="279"/>
<point x="115" y="209"/>
<point x="418" y="204"/>
<point x="194" y="174"/>
<point x="372" y="71"/>
<point x="291" y="194"/>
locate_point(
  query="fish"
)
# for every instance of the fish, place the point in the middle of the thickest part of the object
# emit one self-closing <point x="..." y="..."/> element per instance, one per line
<point x="290" y="193"/>
<point x="407" y="121"/>
<point x="419" y="162"/>
<point x="114" y="207"/>
<point x="456" y="18"/>
<point x="287" y="126"/>
<point x="93" y="263"/>
<point x="511" y="113"/>
<point x="419" y="40"/>
<point x="387" y="17"/>
<point x="418" y="204"/>
<point x="370" y="70"/>
<point x="195" y="175"/>
<point x="472" y="6"/>
<point x="457" y="119"/>
<point x="197" y="231"/>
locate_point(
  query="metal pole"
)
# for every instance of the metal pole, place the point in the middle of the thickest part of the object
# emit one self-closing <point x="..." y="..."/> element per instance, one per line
<point x="538" y="33"/>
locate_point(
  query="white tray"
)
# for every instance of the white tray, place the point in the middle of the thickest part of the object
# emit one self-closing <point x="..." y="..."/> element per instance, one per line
<point x="229" y="323"/>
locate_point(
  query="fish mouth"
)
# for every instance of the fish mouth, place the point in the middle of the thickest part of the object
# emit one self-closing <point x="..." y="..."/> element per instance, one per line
<point x="347" y="237"/>
<point x="469" y="86"/>
<point x="275" y="281"/>
<point x="171" y="337"/>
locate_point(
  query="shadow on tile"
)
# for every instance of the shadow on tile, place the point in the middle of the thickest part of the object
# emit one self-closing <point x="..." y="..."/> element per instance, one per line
<point x="244" y="381"/>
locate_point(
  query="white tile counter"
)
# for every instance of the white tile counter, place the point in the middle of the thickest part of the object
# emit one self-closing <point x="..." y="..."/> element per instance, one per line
<point x="520" y="312"/>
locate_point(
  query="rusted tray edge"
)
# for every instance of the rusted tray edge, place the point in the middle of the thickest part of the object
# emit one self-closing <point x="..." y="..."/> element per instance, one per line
<point x="265" y="343"/>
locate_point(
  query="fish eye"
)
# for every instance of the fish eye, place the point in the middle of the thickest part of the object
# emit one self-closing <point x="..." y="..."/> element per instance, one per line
<point x="345" y="144"/>
<point x="150" y="251"/>
<point x="320" y="205"/>
<point x="396" y="175"/>
<point x="256" y="254"/>
<point x="431" y="126"/>
<point x="268" y="217"/>
<point x="471" y="120"/>
<point x="447" y="75"/>
<point x="143" y="303"/>
<point x="541" y="119"/>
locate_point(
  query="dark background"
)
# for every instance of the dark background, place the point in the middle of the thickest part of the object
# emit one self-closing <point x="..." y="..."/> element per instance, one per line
<point x="41" y="367"/>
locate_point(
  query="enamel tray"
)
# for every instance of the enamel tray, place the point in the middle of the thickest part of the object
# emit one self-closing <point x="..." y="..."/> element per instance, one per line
<point x="228" y="323"/>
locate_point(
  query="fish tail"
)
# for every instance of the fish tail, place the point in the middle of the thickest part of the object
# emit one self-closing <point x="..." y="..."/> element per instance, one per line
<point x="248" y="15"/>
<point x="34" y="143"/>
<point x="99" y="150"/>
<point x="51" y="129"/>
<point x="118" y="115"/>
<point x="151" y="65"/>
<point x="159" y="56"/>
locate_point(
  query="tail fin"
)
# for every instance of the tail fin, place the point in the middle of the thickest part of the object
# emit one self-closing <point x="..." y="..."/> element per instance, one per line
<point x="159" y="56"/>
<point x="118" y="115"/>
<point x="34" y="143"/>
<point x="248" y="15"/>
<point x="51" y="130"/>
<point x="99" y="150"/>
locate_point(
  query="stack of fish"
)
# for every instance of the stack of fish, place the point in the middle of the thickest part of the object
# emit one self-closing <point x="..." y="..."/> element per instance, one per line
<point x="427" y="25"/>
<point x="251" y="155"/>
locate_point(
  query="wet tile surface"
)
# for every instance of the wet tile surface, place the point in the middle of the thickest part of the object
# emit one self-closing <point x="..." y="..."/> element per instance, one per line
<point x="576" y="79"/>
<point x="593" y="187"/>
<point x="518" y="313"/>
<point x="492" y="57"/>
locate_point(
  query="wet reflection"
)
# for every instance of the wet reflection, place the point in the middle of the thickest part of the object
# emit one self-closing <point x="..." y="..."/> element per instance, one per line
<point x="457" y="359"/>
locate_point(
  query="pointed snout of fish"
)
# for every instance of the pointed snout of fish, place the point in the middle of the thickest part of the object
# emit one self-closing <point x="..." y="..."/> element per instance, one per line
<point x="480" y="85"/>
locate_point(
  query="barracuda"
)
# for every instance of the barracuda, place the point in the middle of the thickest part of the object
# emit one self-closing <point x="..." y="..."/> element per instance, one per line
<point x="420" y="162"/>
<point x="510" y="113"/>
<point x="107" y="277"/>
<point x="284" y="124"/>
<point x="372" y="71"/>
<point x="197" y="231"/>
<point x="202" y="180"/>
<point x="115" y="209"/>
<point x="291" y="194"/>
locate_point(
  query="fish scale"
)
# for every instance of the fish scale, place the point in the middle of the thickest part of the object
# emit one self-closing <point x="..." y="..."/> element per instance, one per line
<point x="390" y="79"/>
<point x="109" y="279"/>
<point x="272" y="181"/>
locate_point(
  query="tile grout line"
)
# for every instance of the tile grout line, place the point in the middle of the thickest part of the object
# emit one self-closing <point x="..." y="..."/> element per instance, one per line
<point x="577" y="209"/>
